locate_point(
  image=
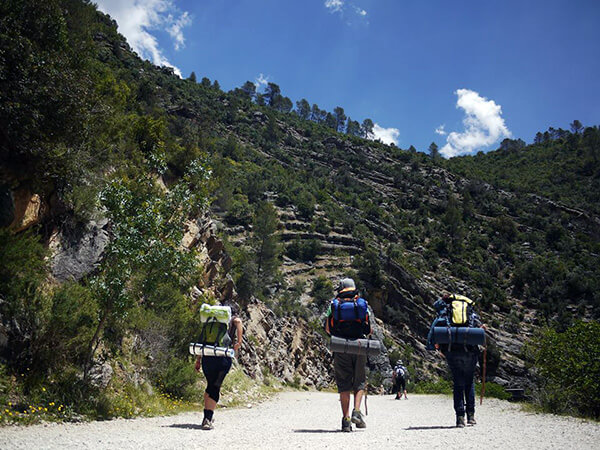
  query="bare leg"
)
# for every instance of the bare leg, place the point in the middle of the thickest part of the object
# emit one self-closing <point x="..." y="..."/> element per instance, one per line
<point x="358" y="395"/>
<point x="345" y="401"/>
<point x="209" y="403"/>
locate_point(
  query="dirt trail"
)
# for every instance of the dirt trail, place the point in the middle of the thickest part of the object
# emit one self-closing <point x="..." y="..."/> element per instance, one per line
<point x="312" y="420"/>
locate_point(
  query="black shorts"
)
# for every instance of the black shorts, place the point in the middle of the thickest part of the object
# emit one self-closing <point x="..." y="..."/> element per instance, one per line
<point x="350" y="371"/>
<point x="215" y="368"/>
<point x="400" y="384"/>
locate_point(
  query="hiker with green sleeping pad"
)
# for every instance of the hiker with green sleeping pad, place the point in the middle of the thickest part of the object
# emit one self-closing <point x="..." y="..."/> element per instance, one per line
<point x="219" y="330"/>
<point x="348" y="317"/>
<point x="455" y="333"/>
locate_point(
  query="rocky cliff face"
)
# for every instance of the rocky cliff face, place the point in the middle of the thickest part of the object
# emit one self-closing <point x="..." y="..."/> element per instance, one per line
<point x="288" y="348"/>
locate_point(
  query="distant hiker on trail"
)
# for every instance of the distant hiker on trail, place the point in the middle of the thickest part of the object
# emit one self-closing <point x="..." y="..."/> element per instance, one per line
<point x="219" y="331"/>
<point x="455" y="332"/>
<point x="399" y="377"/>
<point x="348" y="317"/>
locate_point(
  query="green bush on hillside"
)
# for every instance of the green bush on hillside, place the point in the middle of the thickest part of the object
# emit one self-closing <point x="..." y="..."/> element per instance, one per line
<point x="568" y="369"/>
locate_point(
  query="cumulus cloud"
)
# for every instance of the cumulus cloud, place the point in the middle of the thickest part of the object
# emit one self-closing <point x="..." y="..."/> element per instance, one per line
<point x="385" y="135"/>
<point x="340" y="6"/>
<point x="483" y="123"/>
<point x="440" y="130"/>
<point x="175" y="30"/>
<point x="334" y="5"/>
<point x="137" y="18"/>
<point x="261" y="81"/>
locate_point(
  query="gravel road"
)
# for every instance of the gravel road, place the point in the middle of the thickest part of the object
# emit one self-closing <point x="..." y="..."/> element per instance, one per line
<point x="312" y="420"/>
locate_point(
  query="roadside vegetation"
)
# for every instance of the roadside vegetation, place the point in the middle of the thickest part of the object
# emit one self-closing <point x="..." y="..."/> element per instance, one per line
<point x="99" y="133"/>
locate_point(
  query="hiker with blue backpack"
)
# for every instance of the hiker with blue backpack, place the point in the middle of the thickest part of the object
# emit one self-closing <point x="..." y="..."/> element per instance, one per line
<point x="220" y="337"/>
<point x="457" y="332"/>
<point x="348" y="319"/>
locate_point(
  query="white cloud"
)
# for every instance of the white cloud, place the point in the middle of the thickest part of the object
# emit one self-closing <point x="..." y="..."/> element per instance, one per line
<point x="339" y="6"/>
<point x="440" y="130"/>
<point x="334" y="5"/>
<point x="385" y="135"/>
<point x="483" y="123"/>
<point x="175" y="29"/>
<point x="261" y="81"/>
<point x="137" y="18"/>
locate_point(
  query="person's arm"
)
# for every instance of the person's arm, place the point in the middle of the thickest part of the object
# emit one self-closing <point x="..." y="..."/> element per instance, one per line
<point x="239" y="330"/>
<point x="327" y="330"/>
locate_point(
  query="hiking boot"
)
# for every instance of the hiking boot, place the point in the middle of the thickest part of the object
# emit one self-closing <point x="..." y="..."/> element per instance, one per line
<point x="346" y="425"/>
<point x="207" y="424"/>
<point x="460" y="421"/>
<point x="357" y="419"/>
<point x="471" y="419"/>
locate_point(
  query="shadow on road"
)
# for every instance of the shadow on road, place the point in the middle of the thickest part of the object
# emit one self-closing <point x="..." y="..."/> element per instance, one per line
<point x="435" y="427"/>
<point x="316" y="431"/>
<point x="187" y="426"/>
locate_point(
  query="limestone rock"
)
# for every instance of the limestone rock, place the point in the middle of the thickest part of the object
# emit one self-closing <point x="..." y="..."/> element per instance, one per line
<point x="77" y="249"/>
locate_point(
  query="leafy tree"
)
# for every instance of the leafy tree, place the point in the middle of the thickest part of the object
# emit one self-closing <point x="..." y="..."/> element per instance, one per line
<point x="316" y="114"/>
<point x="330" y="121"/>
<point x="303" y="109"/>
<point x="367" y="128"/>
<point x="434" y="151"/>
<point x="340" y="119"/>
<point x="576" y="127"/>
<point x="148" y="227"/>
<point x="322" y="290"/>
<point x="192" y="77"/>
<point x="353" y="127"/>
<point x="285" y="105"/>
<point x="249" y="90"/>
<point x="266" y="247"/>
<point x="568" y="366"/>
<point x="272" y="95"/>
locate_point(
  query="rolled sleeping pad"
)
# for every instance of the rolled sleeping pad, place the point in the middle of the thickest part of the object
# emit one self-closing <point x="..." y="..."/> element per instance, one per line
<point x="370" y="347"/>
<point x="459" y="335"/>
<point x="210" y="350"/>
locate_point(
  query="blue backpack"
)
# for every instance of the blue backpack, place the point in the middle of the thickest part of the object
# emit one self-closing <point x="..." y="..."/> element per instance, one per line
<point x="349" y="317"/>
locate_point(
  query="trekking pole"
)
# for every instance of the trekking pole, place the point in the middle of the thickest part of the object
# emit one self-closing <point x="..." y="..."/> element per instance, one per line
<point x="483" y="377"/>
<point x="366" y="392"/>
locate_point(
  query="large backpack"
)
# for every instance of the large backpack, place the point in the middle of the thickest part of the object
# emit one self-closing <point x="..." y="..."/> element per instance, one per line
<point x="454" y="311"/>
<point x="349" y="317"/>
<point x="215" y="323"/>
<point x="400" y="371"/>
<point x="460" y="311"/>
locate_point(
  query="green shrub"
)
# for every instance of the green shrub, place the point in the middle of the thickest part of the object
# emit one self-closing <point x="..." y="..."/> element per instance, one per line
<point x="433" y="387"/>
<point x="321" y="291"/>
<point x="568" y="369"/>
<point x="493" y="390"/>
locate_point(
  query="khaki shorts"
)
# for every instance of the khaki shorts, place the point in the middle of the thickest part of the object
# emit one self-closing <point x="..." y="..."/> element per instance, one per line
<point x="350" y="371"/>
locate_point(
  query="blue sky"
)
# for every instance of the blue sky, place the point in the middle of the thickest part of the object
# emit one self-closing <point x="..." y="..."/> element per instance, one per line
<point x="475" y="71"/>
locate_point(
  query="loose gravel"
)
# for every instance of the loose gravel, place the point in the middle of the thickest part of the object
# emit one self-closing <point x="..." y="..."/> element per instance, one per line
<point x="312" y="420"/>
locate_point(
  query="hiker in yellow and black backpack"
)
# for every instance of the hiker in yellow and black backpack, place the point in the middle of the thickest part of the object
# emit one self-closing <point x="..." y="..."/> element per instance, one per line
<point x="456" y="333"/>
